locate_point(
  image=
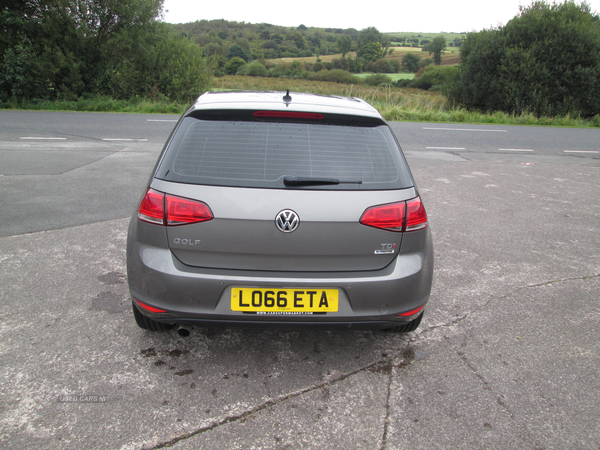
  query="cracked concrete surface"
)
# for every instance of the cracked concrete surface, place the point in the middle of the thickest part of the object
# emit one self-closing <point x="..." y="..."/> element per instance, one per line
<point x="507" y="356"/>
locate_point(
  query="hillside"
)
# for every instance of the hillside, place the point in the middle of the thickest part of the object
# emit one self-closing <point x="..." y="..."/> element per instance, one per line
<point x="221" y="38"/>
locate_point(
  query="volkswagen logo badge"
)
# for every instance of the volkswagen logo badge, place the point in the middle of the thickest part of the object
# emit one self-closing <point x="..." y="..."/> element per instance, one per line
<point x="287" y="221"/>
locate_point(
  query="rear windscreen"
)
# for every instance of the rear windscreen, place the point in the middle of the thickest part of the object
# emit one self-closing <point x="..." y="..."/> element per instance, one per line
<point x="261" y="154"/>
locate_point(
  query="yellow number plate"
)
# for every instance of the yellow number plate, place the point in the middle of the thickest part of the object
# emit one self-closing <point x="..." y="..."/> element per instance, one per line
<point x="284" y="300"/>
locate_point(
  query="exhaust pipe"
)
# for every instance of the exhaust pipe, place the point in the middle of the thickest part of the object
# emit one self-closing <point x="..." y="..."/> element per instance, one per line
<point x="183" y="331"/>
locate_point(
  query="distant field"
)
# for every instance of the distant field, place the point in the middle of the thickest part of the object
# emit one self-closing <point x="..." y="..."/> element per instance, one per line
<point x="429" y="36"/>
<point x="312" y="59"/>
<point x="393" y="76"/>
<point x="399" y="47"/>
<point x="450" y="57"/>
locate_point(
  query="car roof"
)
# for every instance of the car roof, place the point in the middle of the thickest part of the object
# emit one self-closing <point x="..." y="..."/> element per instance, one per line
<point x="274" y="101"/>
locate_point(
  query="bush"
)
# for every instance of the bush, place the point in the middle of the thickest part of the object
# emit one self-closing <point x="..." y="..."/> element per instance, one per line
<point x="180" y="71"/>
<point x="254" y="69"/>
<point x="383" y="66"/>
<point x="340" y="63"/>
<point x="317" y="67"/>
<point x="347" y="64"/>
<point x="294" y="70"/>
<point x="377" y="80"/>
<point x="234" y="65"/>
<point x="411" y="62"/>
<point x="545" y="61"/>
<point x="441" y="78"/>
<point x="403" y="82"/>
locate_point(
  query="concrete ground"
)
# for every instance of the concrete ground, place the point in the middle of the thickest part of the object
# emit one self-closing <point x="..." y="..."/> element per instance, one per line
<point x="507" y="356"/>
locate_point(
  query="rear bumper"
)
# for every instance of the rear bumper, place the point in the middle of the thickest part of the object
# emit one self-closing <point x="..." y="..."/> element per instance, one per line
<point x="228" y="322"/>
<point x="200" y="296"/>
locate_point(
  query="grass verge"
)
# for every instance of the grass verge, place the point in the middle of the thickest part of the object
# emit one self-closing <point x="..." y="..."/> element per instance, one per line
<point x="99" y="104"/>
<point x="395" y="104"/>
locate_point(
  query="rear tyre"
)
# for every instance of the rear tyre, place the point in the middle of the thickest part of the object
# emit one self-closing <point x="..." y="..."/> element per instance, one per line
<point x="407" y="327"/>
<point x="147" y="323"/>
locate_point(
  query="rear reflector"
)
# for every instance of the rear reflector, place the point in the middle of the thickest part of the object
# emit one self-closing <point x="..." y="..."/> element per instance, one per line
<point x="410" y="313"/>
<point x="150" y="308"/>
<point x="164" y="209"/>
<point x="398" y="217"/>
<point x="289" y="115"/>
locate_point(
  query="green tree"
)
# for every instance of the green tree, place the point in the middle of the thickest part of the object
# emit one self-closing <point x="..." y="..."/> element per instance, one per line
<point x="436" y="47"/>
<point x="368" y="35"/>
<point x="212" y="49"/>
<point x="180" y="72"/>
<point x="545" y="61"/>
<point x="53" y="49"/>
<point x="411" y="62"/>
<point x="370" y="52"/>
<point x="298" y="39"/>
<point x="344" y="44"/>
<point x="235" y="51"/>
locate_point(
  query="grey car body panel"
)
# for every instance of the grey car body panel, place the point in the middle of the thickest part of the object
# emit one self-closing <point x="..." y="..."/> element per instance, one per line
<point x="243" y="234"/>
<point x="165" y="282"/>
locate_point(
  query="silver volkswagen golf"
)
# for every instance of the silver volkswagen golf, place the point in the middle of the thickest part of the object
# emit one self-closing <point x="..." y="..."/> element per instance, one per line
<point x="270" y="209"/>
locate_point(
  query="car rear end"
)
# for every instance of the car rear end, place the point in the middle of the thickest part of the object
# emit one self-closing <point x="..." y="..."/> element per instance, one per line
<point x="273" y="211"/>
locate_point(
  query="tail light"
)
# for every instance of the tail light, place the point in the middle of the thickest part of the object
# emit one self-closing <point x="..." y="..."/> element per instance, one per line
<point x="164" y="209"/>
<point x="398" y="217"/>
<point x="416" y="217"/>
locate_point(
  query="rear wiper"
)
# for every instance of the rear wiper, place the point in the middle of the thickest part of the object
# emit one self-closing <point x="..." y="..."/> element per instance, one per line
<point x="314" y="181"/>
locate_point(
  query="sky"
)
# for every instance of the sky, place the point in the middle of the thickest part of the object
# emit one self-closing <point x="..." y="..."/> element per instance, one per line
<point x="427" y="16"/>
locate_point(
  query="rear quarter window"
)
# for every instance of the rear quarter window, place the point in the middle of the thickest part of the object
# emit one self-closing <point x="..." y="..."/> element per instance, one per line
<point x="261" y="154"/>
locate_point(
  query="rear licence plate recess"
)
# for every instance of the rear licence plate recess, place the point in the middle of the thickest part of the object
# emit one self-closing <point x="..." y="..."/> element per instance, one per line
<point x="284" y="301"/>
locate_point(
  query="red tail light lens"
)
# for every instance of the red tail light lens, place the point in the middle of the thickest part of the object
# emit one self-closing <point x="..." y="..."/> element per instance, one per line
<point x="398" y="217"/>
<point x="416" y="217"/>
<point x="388" y="217"/>
<point x="152" y="207"/>
<point x="181" y="211"/>
<point x="163" y="209"/>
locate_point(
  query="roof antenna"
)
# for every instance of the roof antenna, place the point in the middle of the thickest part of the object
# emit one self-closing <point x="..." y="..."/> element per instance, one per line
<point x="286" y="97"/>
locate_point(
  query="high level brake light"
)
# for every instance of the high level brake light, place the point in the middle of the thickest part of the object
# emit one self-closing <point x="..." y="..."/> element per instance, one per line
<point x="289" y="115"/>
<point x="164" y="209"/>
<point x="398" y="217"/>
